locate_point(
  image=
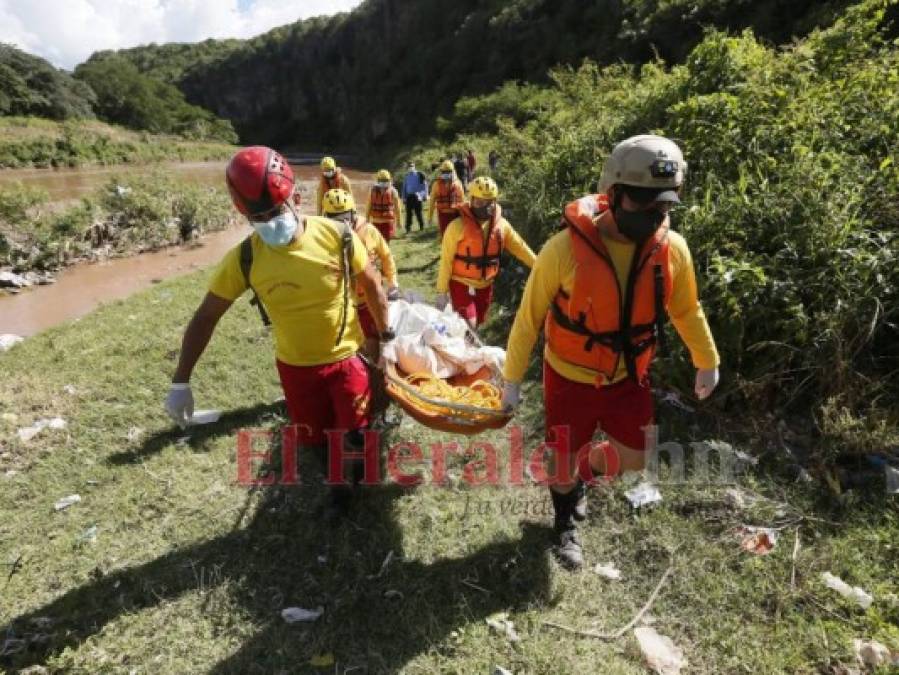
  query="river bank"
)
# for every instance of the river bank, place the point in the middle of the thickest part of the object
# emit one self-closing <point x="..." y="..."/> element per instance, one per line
<point x="131" y="228"/>
<point x="30" y="142"/>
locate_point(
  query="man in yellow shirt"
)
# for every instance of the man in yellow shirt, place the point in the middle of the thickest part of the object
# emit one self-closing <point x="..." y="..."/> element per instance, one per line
<point x="340" y="205"/>
<point x="332" y="177"/>
<point x="302" y="270"/>
<point x="600" y="290"/>
<point x="471" y="250"/>
<point x="384" y="208"/>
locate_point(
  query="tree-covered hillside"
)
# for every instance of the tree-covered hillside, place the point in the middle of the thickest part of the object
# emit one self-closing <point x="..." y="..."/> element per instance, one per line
<point x="29" y="85"/>
<point x="383" y="73"/>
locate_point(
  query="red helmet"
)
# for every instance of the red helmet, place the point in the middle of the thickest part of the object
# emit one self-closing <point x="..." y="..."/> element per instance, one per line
<point x="259" y="179"/>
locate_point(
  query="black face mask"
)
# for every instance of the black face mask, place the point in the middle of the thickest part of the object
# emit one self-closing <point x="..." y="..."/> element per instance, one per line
<point x="483" y="212"/>
<point x="637" y="226"/>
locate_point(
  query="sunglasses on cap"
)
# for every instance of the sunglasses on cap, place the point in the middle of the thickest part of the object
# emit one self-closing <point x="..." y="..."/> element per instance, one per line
<point x="645" y="195"/>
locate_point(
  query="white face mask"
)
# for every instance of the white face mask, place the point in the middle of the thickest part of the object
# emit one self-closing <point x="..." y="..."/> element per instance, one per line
<point x="329" y="173"/>
<point x="279" y="231"/>
<point x="446" y="176"/>
<point x="383" y="186"/>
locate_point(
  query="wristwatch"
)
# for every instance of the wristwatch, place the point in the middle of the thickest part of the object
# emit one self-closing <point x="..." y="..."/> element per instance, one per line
<point x="387" y="335"/>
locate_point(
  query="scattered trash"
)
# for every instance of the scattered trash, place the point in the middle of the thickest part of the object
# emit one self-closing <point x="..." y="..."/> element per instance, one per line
<point x="66" y="502"/>
<point x="8" y="340"/>
<point x="607" y="571"/>
<point x="499" y="670"/>
<point x="863" y="598"/>
<point x="27" y="433"/>
<point x="872" y="654"/>
<point x="501" y="624"/>
<point x="758" y="540"/>
<point x="135" y="434"/>
<point x="10" y="473"/>
<point x="392" y="594"/>
<point x="746" y="457"/>
<point x="322" y="559"/>
<point x="892" y="477"/>
<point x="298" y="614"/>
<point x="661" y="654"/>
<point x="736" y="498"/>
<point x="89" y="536"/>
<point x="643" y="494"/>
<point x="205" y="416"/>
<point x="10" y="280"/>
<point x="70" y="390"/>
<point x="384" y="565"/>
<point x="673" y="399"/>
<point x="322" y="660"/>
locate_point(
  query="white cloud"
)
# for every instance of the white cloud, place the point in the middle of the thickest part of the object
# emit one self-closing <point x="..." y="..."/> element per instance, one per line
<point x="67" y="32"/>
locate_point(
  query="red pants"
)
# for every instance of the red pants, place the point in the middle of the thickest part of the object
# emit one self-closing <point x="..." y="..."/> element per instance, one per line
<point x="444" y="218"/>
<point x="472" y="307"/>
<point x="387" y="229"/>
<point x="367" y="324"/>
<point x="621" y="410"/>
<point x="330" y="396"/>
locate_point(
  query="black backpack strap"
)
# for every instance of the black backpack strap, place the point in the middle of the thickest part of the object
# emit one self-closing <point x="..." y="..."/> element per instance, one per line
<point x="246" y="264"/>
<point x="346" y="256"/>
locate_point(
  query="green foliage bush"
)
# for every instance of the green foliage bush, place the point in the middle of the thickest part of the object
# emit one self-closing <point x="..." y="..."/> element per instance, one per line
<point x="29" y="85"/>
<point x="32" y="142"/>
<point x="127" y="97"/>
<point x="789" y="210"/>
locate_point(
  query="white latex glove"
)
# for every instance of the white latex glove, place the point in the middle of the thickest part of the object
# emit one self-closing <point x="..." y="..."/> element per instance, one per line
<point x="511" y="396"/>
<point x="179" y="404"/>
<point x="393" y="293"/>
<point x="706" y="381"/>
<point x="441" y="301"/>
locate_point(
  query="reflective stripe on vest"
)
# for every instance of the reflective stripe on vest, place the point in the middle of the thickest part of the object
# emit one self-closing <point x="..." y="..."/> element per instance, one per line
<point x="597" y="324"/>
<point x="478" y="252"/>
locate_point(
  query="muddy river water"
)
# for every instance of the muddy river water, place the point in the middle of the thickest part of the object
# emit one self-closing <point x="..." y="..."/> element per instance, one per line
<point x="82" y="287"/>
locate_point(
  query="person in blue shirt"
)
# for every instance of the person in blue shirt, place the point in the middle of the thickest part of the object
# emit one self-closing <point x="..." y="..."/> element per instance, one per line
<point x="415" y="193"/>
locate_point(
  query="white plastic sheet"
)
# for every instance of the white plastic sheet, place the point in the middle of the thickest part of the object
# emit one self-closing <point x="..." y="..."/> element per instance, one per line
<point x="431" y="340"/>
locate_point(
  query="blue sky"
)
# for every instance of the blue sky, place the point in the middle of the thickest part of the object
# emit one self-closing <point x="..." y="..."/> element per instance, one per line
<point x="67" y="32"/>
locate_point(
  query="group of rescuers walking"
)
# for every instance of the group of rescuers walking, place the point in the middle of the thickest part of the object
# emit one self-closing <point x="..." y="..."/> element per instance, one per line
<point x="600" y="288"/>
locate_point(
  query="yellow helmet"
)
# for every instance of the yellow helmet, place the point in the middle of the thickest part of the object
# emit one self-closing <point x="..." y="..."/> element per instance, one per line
<point x="483" y="187"/>
<point x="446" y="166"/>
<point x="328" y="164"/>
<point x="338" y="201"/>
<point x="383" y="174"/>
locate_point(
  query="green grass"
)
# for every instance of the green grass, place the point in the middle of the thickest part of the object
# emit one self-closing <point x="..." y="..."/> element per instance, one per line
<point x="189" y="571"/>
<point x="34" y="142"/>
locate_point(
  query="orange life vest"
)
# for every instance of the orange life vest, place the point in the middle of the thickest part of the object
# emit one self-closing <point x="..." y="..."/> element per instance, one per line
<point x="600" y="323"/>
<point x="331" y="183"/>
<point x="382" y="207"/>
<point x="447" y="195"/>
<point x="478" y="252"/>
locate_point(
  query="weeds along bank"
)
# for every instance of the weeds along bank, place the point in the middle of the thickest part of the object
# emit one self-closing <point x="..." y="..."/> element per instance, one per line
<point x="130" y="214"/>
<point x="790" y="203"/>
<point x="32" y="142"/>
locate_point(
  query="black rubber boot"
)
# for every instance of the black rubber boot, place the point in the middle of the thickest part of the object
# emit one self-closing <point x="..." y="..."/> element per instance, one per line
<point x="579" y="510"/>
<point x="569" y="550"/>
